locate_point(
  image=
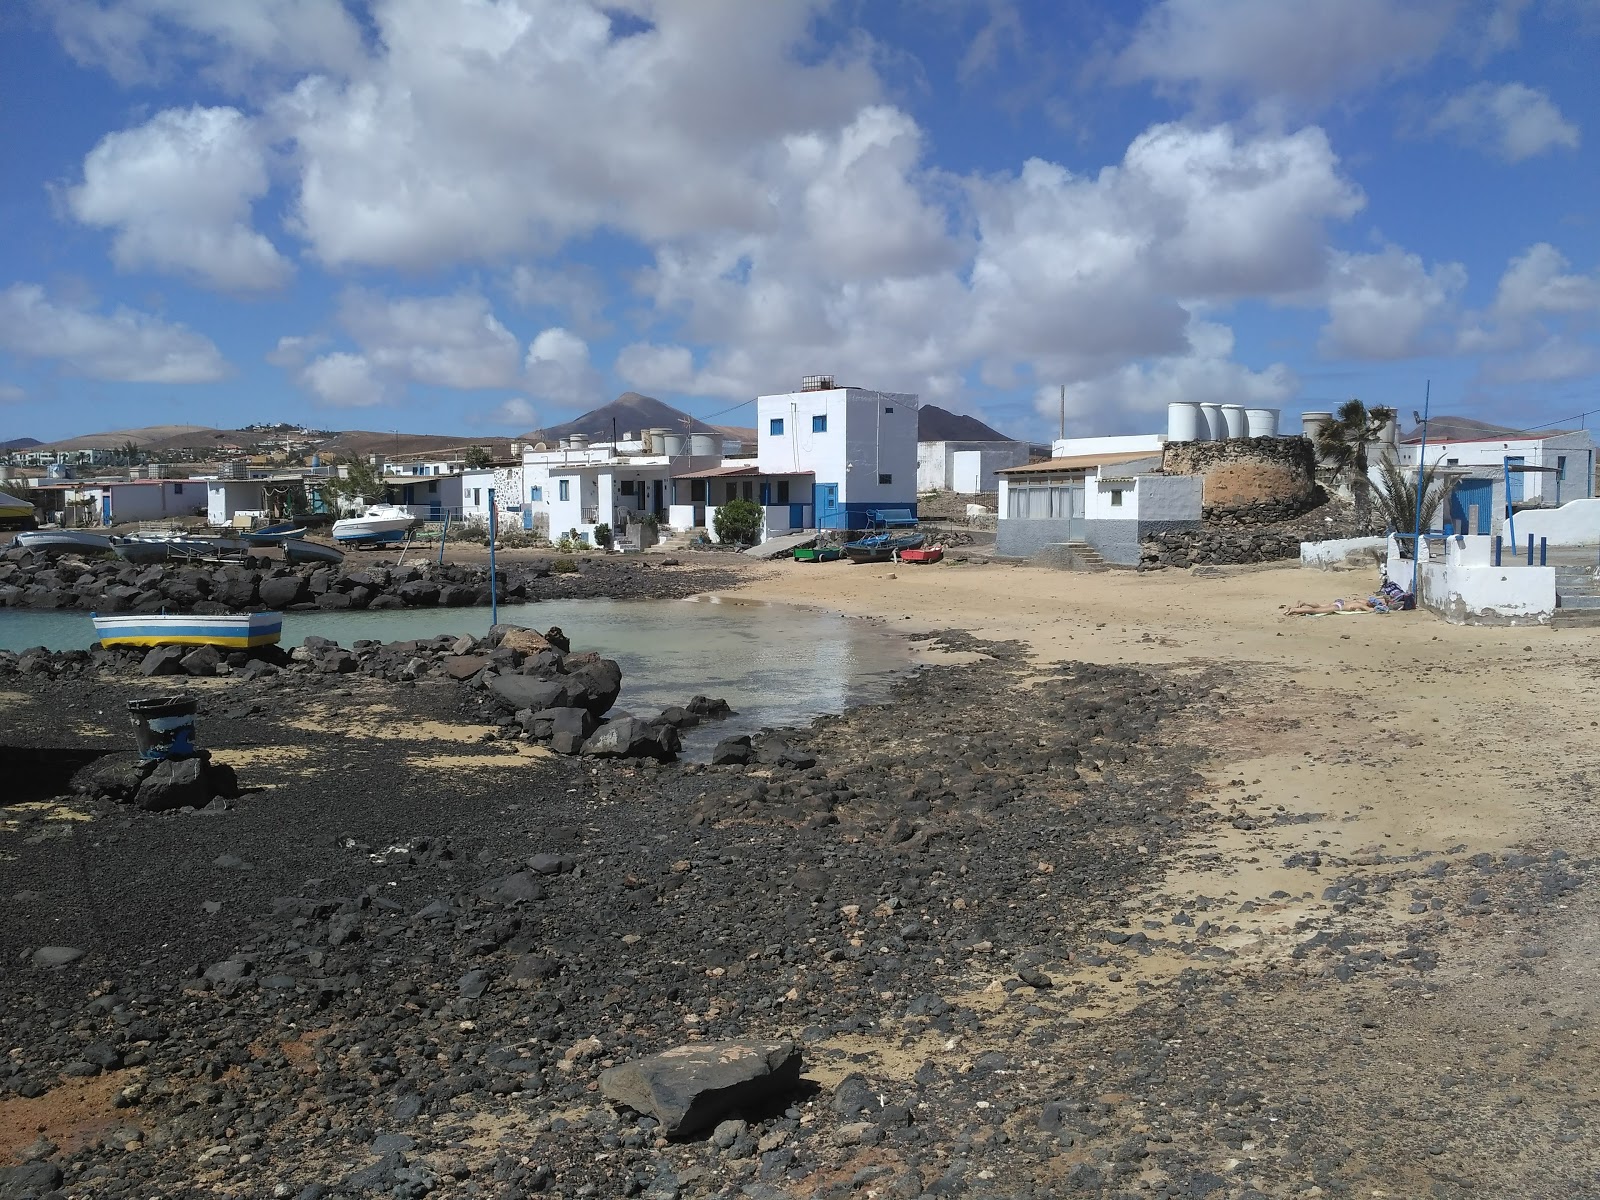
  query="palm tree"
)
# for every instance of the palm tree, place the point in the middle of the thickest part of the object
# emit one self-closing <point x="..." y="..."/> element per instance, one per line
<point x="1397" y="499"/>
<point x="1342" y="444"/>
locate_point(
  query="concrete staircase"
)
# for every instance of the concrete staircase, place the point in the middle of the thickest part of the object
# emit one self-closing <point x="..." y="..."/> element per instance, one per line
<point x="1072" y="556"/>
<point x="1577" y="599"/>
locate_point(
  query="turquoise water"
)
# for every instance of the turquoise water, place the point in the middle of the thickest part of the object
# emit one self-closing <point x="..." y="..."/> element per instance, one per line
<point x="777" y="665"/>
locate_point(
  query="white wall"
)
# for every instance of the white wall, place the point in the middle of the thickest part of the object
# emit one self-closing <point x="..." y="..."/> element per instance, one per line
<point x="1100" y="503"/>
<point x="975" y="470"/>
<point x="1465" y="588"/>
<point x="1344" y="552"/>
<point x="868" y="434"/>
<point x="1170" y="497"/>
<point x="1577" y="448"/>
<point x="156" y="501"/>
<point x="1122" y="444"/>
<point x="1574" y="524"/>
<point x="225" y="498"/>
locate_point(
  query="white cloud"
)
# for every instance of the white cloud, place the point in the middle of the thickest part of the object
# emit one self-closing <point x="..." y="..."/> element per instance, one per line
<point x="488" y="130"/>
<point x="293" y="351"/>
<point x="1307" y="52"/>
<point x="10" y="393"/>
<point x="1553" y="360"/>
<point x="558" y="369"/>
<point x="1537" y="282"/>
<point x="445" y="341"/>
<point x="656" y="368"/>
<point x="1205" y="373"/>
<point x="138" y="41"/>
<point x="342" y="380"/>
<point x="576" y="291"/>
<point x="1388" y="305"/>
<point x="178" y="191"/>
<point x="516" y="412"/>
<point x="125" y="347"/>
<point x="1512" y="121"/>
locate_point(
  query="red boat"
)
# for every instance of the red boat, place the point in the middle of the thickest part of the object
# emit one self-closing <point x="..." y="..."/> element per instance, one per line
<point x="922" y="554"/>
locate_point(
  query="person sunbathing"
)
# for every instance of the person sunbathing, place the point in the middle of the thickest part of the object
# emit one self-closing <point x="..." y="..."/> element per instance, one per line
<point x="1354" y="604"/>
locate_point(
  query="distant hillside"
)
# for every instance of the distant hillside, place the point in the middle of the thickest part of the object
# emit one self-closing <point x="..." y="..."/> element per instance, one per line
<point x="935" y="424"/>
<point x="164" y="437"/>
<point x="631" y="413"/>
<point x="22" y="443"/>
<point x="360" y="442"/>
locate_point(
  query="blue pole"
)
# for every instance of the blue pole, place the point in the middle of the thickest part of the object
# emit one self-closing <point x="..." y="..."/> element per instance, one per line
<point x="1544" y="550"/>
<point x="1499" y="541"/>
<point x="494" y="579"/>
<point x="1511" y="516"/>
<point x="1422" y="467"/>
<point x="444" y="535"/>
<point x="1530" y="549"/>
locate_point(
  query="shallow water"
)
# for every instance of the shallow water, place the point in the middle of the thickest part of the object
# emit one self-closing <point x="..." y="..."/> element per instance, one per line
<point x="777" y="665"/>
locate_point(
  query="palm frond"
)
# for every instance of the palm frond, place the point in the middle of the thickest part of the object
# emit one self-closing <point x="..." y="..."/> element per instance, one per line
<point x="1397" y="496"/>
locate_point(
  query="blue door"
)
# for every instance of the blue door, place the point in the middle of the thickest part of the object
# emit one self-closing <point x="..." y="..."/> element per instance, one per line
<point x="1470" y="494"/>
<point x="828" y="514"/>
<point x="797" y="516"/>
<point x="105" y="508"/>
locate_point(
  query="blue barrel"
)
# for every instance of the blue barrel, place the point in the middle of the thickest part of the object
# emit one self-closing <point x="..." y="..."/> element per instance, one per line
<point x="164" y="726"/>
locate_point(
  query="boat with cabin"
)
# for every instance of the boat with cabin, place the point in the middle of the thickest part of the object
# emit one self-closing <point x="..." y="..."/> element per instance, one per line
<point x="229" y="631"/>
<point x="378" y="524"/>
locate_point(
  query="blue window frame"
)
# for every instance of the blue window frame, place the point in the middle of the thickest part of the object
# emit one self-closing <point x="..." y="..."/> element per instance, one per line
<point x="562" y="489"/>
<point x="775" y="427"/>
<point x="819" y="423"/>
<point x="177" y="488"/>
<point x="536" y="494"/>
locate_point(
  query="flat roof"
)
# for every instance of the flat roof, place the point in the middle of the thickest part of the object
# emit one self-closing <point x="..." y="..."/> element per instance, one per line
<point x="1080" y="462"/>
<point x="736" y="472"/>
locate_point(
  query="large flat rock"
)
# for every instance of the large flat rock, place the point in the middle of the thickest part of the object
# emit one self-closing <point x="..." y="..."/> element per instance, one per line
<point x="690" y="1088"/>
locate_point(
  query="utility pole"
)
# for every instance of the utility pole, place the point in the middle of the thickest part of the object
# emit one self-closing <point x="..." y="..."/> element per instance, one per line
<point x="1063" y="412"/>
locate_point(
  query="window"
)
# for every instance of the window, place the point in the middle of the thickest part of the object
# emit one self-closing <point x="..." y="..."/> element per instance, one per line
<point x="477" y="497"/>
<point x="885" y="480"/>
<point x="1116" y="498"/>
<point x="433" y="486"/>
<point x="888" y="409"/>
<point x="775" y="427"/>
<point x="783" y="491"/>
<point x="749" y="490"/>
<point x="627" y="487"/>
<point x="733" y="490"/>
<point x="1452" y="462"/>
<point x="819" y="423"/>
<point x="697" y="491"/>
<point x="564" y="489"/>
<point x="536" y="494"/>
<point x="1561" y="469"/>
<point x="177" y="488"/>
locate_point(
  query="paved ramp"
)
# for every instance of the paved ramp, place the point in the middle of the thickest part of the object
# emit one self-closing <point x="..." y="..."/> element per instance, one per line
<point x="780" y="546"/>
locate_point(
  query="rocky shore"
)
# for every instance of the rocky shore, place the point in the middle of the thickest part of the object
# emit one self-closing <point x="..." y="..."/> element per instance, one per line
<point x="408" y="956"/>
<point x="35" y="580"/>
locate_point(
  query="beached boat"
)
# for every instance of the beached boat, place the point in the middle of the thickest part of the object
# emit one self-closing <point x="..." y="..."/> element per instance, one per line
<point x="62" y="541"/>
<point x="271" y="535"/>
<point x="232" y="631"/>
<point x="881" y="547"/>
<point x="297" y="551"/>
<point x="380" y="523"/>
<point x="922" y="554"/>
<point x="816" y="554"/>
<point x="176" y="547"/>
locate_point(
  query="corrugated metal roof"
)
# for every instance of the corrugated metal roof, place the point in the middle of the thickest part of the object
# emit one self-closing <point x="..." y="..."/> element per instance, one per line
<point x="1081" y="462"/>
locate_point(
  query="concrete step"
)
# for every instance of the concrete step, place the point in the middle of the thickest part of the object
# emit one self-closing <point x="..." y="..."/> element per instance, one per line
<point x="1568" y="600"/>
<point x="1582" y="618"/>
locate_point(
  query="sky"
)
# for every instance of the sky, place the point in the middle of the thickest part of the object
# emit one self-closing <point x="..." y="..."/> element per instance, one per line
<point x="485" y="216"/>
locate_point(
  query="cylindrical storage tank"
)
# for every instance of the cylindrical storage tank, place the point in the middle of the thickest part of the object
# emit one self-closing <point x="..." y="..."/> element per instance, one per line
<point x="1211" y="418"/>
<point x="701" y="444"/>
<point x="1233" y="420"/>
<point x="1261" y="422"/>
<point x="630" y="436"/>
<point x="657" y="438"/>
<point x="1311" y="423"/>
<point x="671" y="444"/>
<point x="1183" y="421"/>
<point x="578" y="441"/>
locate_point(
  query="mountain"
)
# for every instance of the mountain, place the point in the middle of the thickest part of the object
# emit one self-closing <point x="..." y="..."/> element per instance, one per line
<point x="630" y="414"/>
<point x="164" y="436"/>
<point x="22" y="443"/>
<point x="935" y="424"/>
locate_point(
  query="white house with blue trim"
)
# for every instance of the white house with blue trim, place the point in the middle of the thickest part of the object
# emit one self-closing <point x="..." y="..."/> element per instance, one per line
<point x="1544" y="469"/>
<point x="859" y="446"/>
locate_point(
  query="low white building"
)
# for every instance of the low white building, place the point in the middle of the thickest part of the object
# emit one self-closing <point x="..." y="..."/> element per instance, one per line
<point x="859" y="447"/>
<point x="1493" y="467"/>
<point x="966" y="468"/>
<point x="1109" y="501"/>
<point x="786" y="500"/>
<point x="576" y="486"/>
<point x="122" y="502"/>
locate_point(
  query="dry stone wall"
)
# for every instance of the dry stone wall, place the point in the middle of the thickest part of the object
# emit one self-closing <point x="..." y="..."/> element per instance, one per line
<point x="1251" y="480"/>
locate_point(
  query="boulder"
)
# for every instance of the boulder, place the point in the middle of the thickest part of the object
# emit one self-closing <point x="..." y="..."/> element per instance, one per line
<point x="709" y="709"/>
<point x="458" y="596"/>
<point x="202" y="661"/>
<point x="419" y="593"/>
<point x="464" y="666"/>
<point x="175" y="783"/>
<point x="113" y="777"/>
<point x="515" y="692"/>
<point x="514" y="637"/>
<point x="595" y="683"/>
<point x="335" y="602"/>
<point x="279" y="591"/>
<point x="690" y="1088"/>
<point x="163" y="660"/>
<point x="733" y="752"/>
<point x="629" y="737"/>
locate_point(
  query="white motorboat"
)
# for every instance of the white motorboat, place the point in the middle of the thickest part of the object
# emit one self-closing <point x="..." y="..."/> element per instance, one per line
<point x="380" y="523"/>
<point x="62" y="541"/>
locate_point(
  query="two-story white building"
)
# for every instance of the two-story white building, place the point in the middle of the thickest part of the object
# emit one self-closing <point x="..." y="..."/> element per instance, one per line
<point x="857" y="446"/>
<point x="578" y="484"/>
<point x="1541" y="470"/>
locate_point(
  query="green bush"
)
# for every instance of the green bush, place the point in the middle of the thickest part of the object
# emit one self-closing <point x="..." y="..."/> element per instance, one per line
<point x="564" y="566"/>
<point x="739" y="521"/>
<point x="602" y="536"/>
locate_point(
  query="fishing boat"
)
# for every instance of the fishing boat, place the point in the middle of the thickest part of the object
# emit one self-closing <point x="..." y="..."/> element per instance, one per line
<point x="380" y="523"/>
<point x="881" y="547"/>
<point x="816" y="554"/>
<point x="271" y="535"/>
<point x="62" y="541"/>
<point x="143" y="549"/>
<point x="298" y="551"/>
<point x="239" y="631"/>
<point x="922" y="554"/>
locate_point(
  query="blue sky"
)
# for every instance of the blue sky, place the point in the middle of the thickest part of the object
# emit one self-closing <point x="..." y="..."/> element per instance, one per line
<point x="482" y="216"/>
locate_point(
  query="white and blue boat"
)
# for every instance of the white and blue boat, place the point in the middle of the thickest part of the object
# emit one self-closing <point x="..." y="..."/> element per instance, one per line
<point x="231" y="631"/>
<point x="380" y="523"/>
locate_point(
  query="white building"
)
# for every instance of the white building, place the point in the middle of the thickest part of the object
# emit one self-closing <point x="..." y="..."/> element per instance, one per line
<point x="966" y="467"/>
<point x="1542" y="470"/>
<point x="122" y="502"/>
<point x="576" y="485"/>
<point x="858" y="446"/>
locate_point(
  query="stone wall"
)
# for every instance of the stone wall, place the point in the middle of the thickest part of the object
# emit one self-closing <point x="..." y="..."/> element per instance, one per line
<point x="1254" y="480"/>
<point x="1213" y="547"/>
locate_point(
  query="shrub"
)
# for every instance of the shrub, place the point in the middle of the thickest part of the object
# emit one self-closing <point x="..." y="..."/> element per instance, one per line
<point x="564" y="566"/>
<point x="739" y="521"/>
<point x="602" y="536"/>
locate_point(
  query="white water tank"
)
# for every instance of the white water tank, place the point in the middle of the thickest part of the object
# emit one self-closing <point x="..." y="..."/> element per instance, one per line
<point x="1311" y="423"/>
<point x="704" y="444"/>
<point x="1233" y="420"/>
<point x="1183" y="421"/>
<point x="578" y="441"/>
<point x="1261" y="422"/>
<point x="1211" y="417"/>
<point x="654" y="438"/>
<point x="671" y="444"/>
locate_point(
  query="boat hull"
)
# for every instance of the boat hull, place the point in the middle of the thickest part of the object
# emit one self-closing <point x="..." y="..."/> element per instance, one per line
<point x="62" y="541"/>
<point x="273" y="534"/>
<point x="311" y="552"/>
<point x="807" y="554"/>
<point x="881" y="547"/>
<point x="241" y="632"/>
<point x="386" y="530"/>
<point x="925" y="554"/>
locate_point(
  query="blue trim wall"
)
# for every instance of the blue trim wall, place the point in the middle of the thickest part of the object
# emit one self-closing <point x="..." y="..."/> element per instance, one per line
<point x="849" y="515"/>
